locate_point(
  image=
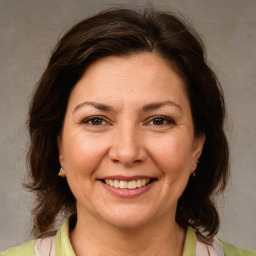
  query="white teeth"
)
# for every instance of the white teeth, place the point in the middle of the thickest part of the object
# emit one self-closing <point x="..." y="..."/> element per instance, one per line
<point x="139" y="184"/>
<point x="127" y="184"/>
<point x="116" y="184"/>
<point x="132" y="184"/>
<point x="123" y="184"/>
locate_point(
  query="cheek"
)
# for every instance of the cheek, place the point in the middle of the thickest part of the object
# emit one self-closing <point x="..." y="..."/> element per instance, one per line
<point x="82" y="158"/>
<point x="173" y="151"/>
<point x="173" y="156"/>
<point x="82" y="155"/>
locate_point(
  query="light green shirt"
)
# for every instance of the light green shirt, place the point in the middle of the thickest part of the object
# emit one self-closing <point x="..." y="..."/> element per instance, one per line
<point x="64" y="248"/>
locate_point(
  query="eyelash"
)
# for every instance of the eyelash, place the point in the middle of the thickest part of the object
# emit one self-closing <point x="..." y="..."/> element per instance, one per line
<point x="93" y="118"/>
<point x="166" y="120"/>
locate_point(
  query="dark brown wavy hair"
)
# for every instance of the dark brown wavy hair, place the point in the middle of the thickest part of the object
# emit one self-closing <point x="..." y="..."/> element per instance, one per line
<point x="123" y="32"/>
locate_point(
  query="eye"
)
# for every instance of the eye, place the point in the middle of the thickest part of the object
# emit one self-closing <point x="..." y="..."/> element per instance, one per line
<point x="160" y="121"/>
<point x="95" y="120"/>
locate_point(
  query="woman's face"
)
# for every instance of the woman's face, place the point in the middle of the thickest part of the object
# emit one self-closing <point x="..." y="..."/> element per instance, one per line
<point x="128" y="144"/>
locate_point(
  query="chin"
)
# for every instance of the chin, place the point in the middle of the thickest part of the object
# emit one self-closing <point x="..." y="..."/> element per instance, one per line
<point x="127" y="218"/>
<point x="127" y="223"/>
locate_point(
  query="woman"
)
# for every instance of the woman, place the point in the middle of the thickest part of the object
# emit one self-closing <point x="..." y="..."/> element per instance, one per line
<point x="127" y="142"/>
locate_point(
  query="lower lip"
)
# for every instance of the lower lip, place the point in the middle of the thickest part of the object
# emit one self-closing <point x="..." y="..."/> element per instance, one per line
<point x="128" y="193"/>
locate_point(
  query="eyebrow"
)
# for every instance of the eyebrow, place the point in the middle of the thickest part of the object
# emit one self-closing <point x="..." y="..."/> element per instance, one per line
<point x="145" y="108"/>
<point x="96" y="105"/>
<point x="157" y="105"/>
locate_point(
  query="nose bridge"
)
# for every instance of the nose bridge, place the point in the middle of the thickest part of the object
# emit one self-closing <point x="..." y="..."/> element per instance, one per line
<point x="127" y="146"/>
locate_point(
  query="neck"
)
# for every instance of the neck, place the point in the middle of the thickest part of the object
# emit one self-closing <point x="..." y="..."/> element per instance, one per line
<point x="93" y="237"/>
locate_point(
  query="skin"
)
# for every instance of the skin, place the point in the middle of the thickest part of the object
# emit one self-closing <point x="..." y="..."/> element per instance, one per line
<point x="128" y="139"/>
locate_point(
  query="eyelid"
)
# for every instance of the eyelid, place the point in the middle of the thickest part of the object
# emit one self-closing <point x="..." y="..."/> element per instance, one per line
<point x="91" y="118"/>
<point x="166" y="118"/>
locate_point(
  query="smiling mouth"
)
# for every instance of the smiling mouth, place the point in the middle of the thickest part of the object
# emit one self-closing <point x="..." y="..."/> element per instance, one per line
<point x="132" y="184"/>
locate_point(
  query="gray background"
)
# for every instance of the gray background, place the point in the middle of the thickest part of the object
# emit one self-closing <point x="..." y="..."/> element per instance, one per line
<point x="29" y="30"/>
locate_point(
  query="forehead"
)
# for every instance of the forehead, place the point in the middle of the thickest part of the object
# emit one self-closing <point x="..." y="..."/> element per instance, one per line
<point x="144" y="76"/>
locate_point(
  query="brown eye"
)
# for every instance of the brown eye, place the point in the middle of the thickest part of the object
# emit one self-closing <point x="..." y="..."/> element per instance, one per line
<point x="158" y="121"/>
<point x="95" y="121"/>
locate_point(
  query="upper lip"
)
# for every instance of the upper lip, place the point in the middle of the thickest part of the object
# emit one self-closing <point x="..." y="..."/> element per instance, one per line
<point x="127" y="178"/>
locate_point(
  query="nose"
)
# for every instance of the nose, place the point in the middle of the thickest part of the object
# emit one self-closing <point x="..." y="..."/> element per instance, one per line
<point x="127" y="147"/>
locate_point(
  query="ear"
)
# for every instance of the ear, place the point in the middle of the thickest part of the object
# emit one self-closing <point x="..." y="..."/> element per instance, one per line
<point x="198" y="145"/>
<point x="60" y="149"/>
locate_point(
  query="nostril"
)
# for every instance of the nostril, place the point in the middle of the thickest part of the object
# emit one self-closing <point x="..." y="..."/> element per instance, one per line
<point x="127" y="152"/>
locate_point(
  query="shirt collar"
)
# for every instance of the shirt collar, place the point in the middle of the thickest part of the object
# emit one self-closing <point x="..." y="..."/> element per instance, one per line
<point x="190" y="243"/>
<point x="63" y="245"/>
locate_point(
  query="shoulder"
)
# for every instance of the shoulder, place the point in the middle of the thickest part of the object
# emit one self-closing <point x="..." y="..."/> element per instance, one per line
<point x="231" y="250"/>
<point x="26" y="249"/>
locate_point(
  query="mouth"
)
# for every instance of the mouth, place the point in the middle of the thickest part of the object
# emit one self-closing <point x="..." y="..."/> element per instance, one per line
<point x="128" y="187"/>
<point x="123" y="184"/>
